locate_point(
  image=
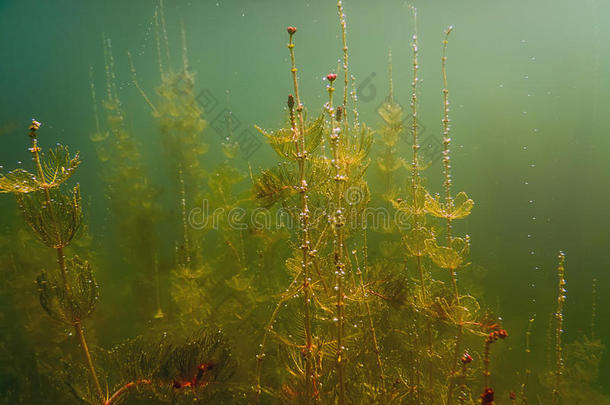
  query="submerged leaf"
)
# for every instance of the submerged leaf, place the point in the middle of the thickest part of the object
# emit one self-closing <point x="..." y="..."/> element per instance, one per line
<point x="73" y="301"/>
<point x="230" y="149"/>
<point x="392" y="115"/>
<point x="55" y="221"/>
<point x="284" y="141"/>
<point x="448" y="257"/>
<point x="58" y="166"/>
<point x="415" y="240"/>
<point x="389" y="164"/>
<point x="274" y="184"/>
<point x="414" y="207"/>
<point x="458" y="208"/>
<point x="18" y="181"/>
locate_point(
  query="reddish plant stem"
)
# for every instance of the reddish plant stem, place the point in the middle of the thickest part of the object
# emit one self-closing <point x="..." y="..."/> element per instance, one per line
<point x="123" y="389"/>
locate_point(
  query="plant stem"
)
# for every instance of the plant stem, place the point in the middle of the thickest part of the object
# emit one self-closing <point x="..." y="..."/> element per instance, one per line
<point x="561" y="298"/>
<point x="301" y="152"/>
<point x="415" y="178"/>
<point x="61" y="261"/>
<point x="449" y="207"/>
<point x="528" y="354"/>
<point x="261" y="354"/>
<point x="370" y="318"/>
<point x="123" y="389"/>
<point x="486" y="372"/>
<point x="338" y="221"/>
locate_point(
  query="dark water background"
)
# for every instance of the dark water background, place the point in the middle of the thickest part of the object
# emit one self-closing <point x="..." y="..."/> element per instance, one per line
<point x="528" y="83"/>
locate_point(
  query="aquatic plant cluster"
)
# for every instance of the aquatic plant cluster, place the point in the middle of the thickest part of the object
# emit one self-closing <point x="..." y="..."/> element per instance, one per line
<point x="336" y="308"/>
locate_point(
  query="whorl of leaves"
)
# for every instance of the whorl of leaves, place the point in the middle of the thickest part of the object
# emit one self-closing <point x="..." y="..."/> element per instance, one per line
<point x="57" y="167"/>
<point x="284" y="143"/>
<point x="55" y="222"/>
<point x="282" y="181"/>
<point x="77" y="303"/>
<point x="358" y="148"/>
<point x="173" y="369"/>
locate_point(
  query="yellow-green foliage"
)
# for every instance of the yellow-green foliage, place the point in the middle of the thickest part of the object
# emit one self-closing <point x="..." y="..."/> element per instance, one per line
<point x="130" y="194"/>
<point x="304" y="297"/>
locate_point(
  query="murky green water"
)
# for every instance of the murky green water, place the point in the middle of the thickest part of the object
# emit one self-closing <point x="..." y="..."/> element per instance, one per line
<point x="217" y="285"/>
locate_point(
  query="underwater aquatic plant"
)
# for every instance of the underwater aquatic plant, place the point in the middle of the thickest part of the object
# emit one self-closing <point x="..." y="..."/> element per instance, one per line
<point x="338" y="320"/>
<point x="170" y="369"/>
<point x="316" y="186"/>
<point x="291" y="143"/>
<point x="388" y="160"/>
<point x="130" y="194"/>
<point x="561" y="298"/>
<point x="55" y="218"/>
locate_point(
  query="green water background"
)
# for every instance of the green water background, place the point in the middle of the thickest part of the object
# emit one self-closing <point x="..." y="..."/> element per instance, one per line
<point x="528" y="94"/>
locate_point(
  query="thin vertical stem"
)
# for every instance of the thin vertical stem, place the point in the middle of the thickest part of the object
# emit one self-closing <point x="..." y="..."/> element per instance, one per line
<point x="159" y="314"/>
<point x="345" y="55"/>
<point x="301" y="152"/>
<point x="370" y="317"/>
<point x="187" y="246"/>
<point x="94" y="100"/>
<point x="593" y="307"/>
<point x="134" y="79"/>
<point x="446" y="138"/>
<point x="528" y="354"/>
<point x="164" y="31"/>
<point x="158" y="42"/>
<point x="61" y="257"/>
<point x="261" y="354"/>
<point x="486" y="372"/>
<point x="561" y="298"/>
<point x="449" y="206"/>
<point x="390" y="80"/>
<point x="415" y="178"/>
<point x="185" y="60"/>
<point x="338" y="221"/>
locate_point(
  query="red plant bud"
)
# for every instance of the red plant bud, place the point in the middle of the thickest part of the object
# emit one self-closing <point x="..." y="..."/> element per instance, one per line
<point x="512" y="395"/>
<point x="291" y="30"/>
<point x="290" y="102"/>
<point x="331" y="77"/>
<point x="502" y="333"/>
<point x="466" y="358"/>
<point x="487" y="397"/>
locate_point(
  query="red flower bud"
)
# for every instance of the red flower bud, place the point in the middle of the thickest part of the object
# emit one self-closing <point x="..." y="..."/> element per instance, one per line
<point x="466" y="358"/>
<point x="290" y="102"/>
<point x="487" y="397"/>
<point x="502" y="333"/>
<point x="291" y="30"/>
<point x="331" y="77"/>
